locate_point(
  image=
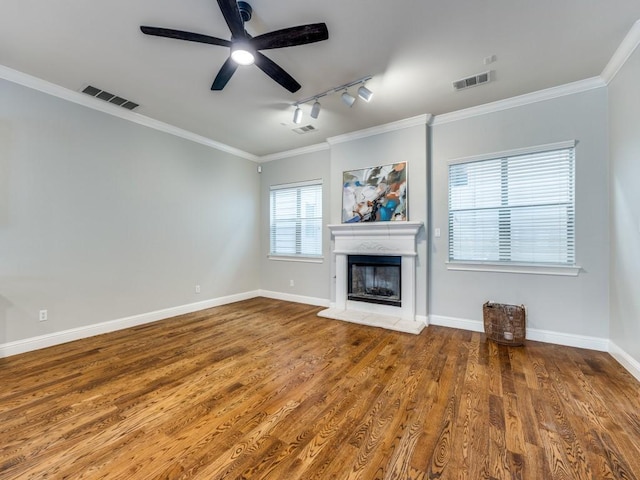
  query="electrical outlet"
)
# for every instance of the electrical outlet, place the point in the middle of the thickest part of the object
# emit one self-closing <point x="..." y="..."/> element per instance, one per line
<point x="197" y="288"/>
<point x="291" y="283"/>
<point x="43" y="315"/>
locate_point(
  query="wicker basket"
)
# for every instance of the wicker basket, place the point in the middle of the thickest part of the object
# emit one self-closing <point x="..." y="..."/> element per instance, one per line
<point x="505" y="324"/>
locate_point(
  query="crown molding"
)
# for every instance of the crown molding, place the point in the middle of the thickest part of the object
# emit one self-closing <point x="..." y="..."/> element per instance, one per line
<point x="521" y="100"/>
<point x="318" y="147"/>
<point x="95" y="104"/>
<point x="347" y="137"/>
<point x="389" y="127"/>
<point x="622" y="54"/>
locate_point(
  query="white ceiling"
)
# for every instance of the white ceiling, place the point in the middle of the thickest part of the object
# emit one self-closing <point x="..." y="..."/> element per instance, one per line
<point x="414" y="49"/>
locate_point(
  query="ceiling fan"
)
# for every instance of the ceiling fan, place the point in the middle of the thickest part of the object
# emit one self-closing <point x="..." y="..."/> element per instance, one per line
<point x="244" y="47"/>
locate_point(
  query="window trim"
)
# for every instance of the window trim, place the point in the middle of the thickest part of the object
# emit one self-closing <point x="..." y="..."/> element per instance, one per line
<point x="296" y="258"/>
<point x="288" y="257"/>
<point x="516" y="152"/>
<point x="526" y="268"/>
<point x="511" y="267"/>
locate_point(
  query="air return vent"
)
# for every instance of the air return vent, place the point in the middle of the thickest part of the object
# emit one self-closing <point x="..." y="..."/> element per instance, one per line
<point x="305" y="129"/>
<point x="110" y="97"/>
<point x="473" y="81"/>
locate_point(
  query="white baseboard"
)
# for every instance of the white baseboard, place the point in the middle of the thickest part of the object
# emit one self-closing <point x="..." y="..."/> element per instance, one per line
<point x="569" y="339"/>
<point x="318" y="302"/>
<point x="547" y="336"/>
<point x="624" y="359"/>
<point x="56" y="338"/>
<point x="452" y="322"/>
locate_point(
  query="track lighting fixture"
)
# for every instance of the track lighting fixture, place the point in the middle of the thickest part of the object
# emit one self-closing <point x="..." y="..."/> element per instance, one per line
<point x="315" y="109"/>
<point x="363" y="92"/>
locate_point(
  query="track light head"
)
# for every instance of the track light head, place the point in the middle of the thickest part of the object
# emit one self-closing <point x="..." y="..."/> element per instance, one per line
<point x="297" y="115"/>
<point x="315" y="109"/>
<point x="348" y="99"/>
<point x="364" y="93"/>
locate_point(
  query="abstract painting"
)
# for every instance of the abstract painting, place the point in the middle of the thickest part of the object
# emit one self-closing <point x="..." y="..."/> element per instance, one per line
<point x="375" y="194"/>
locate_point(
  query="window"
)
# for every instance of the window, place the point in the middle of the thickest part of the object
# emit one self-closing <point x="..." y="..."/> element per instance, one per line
<point x="514" y="208"/>
<point x="296" y="219"/>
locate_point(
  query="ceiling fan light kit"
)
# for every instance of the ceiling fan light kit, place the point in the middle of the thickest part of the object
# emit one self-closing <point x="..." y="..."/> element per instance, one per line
<point x="245" y="48"/>
<point x="241" y="54"/>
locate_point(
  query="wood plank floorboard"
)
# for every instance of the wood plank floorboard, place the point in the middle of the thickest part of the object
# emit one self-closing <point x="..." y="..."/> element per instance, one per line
<point x="265" y="389"/>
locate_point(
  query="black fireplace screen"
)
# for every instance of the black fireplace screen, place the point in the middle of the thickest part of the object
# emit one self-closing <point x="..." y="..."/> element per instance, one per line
<point x="374" y="279"/>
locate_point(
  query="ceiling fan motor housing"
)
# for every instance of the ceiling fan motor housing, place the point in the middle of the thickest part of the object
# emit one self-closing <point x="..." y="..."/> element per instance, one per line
<point x="245" y="11"/>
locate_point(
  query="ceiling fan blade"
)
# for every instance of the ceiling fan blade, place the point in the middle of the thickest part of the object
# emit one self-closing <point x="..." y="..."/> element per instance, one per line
<point x="277" y="73"/>
<point x="292" y="36"/>
<point x="182" y="35"/>
<point x="226" y="71"/>
<point x="231" y="14"/>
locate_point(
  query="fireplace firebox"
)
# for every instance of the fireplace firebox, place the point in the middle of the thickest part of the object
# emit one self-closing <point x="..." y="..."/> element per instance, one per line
<point x="374" y="279"/>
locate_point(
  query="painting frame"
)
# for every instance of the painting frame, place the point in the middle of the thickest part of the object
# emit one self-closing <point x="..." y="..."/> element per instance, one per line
<point x="375" y="194"/>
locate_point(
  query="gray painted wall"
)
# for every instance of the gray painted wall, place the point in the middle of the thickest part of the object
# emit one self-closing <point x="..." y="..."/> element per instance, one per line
<point x="101" y="218"/>
<point x="572" y="305"/>
<point x="624" y="115"/>
<point x="310" y="279"/>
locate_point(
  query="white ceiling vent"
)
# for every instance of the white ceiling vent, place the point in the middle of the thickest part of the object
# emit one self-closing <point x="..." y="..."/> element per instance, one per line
<point x="109" y="97"/>
<point x="305" y="129"/>
<point x="473" y="81"/>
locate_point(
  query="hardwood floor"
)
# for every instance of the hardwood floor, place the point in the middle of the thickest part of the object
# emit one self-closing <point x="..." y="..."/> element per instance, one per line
<point x="265" y="389"/>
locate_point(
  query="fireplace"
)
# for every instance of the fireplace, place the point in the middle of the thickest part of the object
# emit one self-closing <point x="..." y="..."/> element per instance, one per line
<point x="385" y="293"/>
<point x="374" y="279"/>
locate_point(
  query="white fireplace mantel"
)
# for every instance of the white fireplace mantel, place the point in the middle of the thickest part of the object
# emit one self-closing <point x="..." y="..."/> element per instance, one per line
<point x="382" y="238"/>
<point x="379" y="238"/>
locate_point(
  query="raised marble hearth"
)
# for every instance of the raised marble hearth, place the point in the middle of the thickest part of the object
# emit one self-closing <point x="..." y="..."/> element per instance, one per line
<point x="385" y="239"/>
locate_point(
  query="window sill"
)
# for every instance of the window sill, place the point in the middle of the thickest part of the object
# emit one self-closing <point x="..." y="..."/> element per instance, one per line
<point x="526" y="268"/>
<point x="295" y="258"/>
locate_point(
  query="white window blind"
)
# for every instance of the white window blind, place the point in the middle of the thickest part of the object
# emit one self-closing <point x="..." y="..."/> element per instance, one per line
<point x="296" y="219"/>
<point x="516" y="208"/>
